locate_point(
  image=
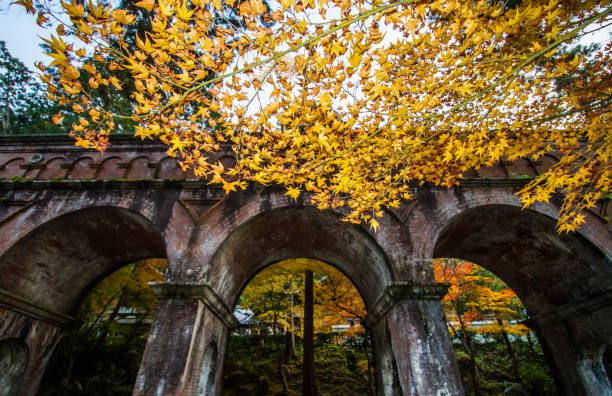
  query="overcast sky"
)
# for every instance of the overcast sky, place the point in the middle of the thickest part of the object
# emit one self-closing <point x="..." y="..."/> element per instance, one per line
<point x="20" y="32"/>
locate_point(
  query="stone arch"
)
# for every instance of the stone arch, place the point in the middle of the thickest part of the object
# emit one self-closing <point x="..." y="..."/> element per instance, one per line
<point x="546" y="269"/>
<point x="208" y="371"/>
<point x="13" y="362"/>
<point x="138" y="168"/>
<point x="303" y="232"/>
<point x="12" y="168"/>
<point x="57" y="263"/>
<point x="433" y="209"/>
<point x="563" y="280"/>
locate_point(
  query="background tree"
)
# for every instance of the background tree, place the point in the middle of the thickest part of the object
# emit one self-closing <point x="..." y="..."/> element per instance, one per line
<point x="23" y="106"/>
<point x="477" y="295"/>
<point x="271" y="297"/>
<point x="315" y="294"/>
<point x="309" y="385"/>
<point x="102" y="356"/>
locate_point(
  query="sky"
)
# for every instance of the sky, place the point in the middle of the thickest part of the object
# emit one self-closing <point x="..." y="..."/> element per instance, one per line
<point x="20" y="32"/>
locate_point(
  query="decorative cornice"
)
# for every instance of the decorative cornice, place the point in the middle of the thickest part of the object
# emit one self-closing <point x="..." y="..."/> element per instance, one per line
<point x="160" y="184"/>
<point x="62" y="143"/>
<point x="201" y="291"/>
<point x="400" y="291"/>
<point x="19" y="304"/>
<point x="111" y="184"/>
<point x="571" y="310"/>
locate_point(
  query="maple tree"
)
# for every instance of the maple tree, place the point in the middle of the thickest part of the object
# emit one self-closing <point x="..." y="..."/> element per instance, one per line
<point x="351" y="101"/>
<point x="477" y="295"/>
<point x="275" y="296"/>
<point x="302" y="296"/>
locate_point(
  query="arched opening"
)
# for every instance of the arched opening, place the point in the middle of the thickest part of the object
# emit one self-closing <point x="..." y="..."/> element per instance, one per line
<point x="521" y="247"/>
<point x="52" y="269"/>
<point x="268" y="353"/>
<point x="299" y="232"/>
<point x="607" y="362"/>
<point x="591" y="366"/>
<point x="13" y="362"/>
<point x="102" y="355"/>
<point x="207" y="384"/>
<point x="559" y="277"/>
<point x="496" y="351"/>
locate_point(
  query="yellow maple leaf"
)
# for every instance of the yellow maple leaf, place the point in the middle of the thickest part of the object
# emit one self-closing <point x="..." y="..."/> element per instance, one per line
<point x="293" y="192"/>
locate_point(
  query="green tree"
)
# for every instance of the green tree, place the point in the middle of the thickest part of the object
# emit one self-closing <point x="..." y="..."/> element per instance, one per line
<point x="23" y="105"/>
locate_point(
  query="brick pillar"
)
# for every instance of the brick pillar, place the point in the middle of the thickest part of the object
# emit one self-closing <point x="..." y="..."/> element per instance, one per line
<point x="187" y="341"/>
<point x="574" y="338"/>
<point x="384" y="361"/>
<point x="28" y="335"/>
<point x="412" y="318"/>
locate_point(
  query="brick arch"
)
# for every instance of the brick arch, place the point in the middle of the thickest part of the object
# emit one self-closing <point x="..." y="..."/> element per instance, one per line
<point x="57" y="262"/>
<point x="82" y="169"/>
<point x="546" y="269"/>
<point x="563" y="280"/>
<point x="53" y="168"/>
<point x="223" y="216"/>
<point x="12" y="168"/>
<point x="434" y="209"/>
<point x="299" y="232"/>
<point x="109" y="168"/>
<point x="138" y="168"/>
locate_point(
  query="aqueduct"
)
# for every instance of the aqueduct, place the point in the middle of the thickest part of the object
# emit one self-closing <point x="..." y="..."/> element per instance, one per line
<point x="70" y="217"/>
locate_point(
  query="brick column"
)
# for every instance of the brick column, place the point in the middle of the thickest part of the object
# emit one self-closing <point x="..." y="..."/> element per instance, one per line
<point x="29" y="333"/>
<point x="410" y="317"/>
<point x="186" y="343"/>
<point x="574" y="338"/>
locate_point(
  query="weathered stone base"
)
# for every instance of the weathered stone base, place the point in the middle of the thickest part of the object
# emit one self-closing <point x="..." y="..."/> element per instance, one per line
<point x="26" y="345"/>
<point x="187" y="342"/>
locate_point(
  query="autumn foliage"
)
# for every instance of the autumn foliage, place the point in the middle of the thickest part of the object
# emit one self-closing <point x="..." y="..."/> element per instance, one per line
<point x="350" y="102"/>
<point x="275" y="296"/>
<point x="477" y="295"/>
<point x="480" y="304"/>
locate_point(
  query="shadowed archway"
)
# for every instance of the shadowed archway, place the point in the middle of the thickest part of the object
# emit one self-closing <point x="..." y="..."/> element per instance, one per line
<point x="563" y="280"/>
<point x="300" y="232"/>
<point x="47" y="273"/>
